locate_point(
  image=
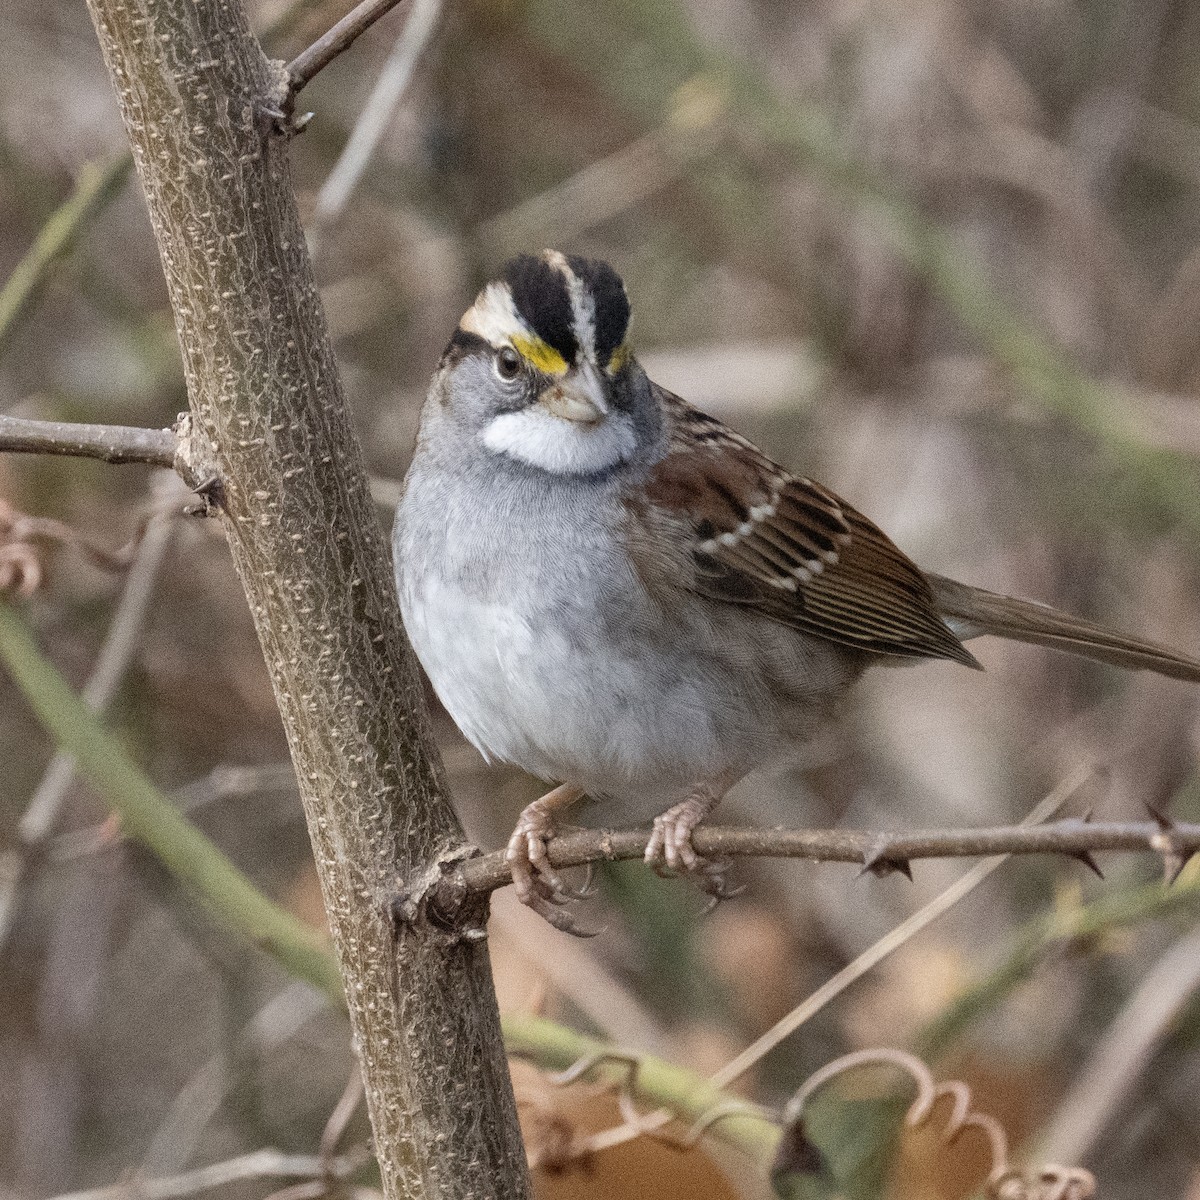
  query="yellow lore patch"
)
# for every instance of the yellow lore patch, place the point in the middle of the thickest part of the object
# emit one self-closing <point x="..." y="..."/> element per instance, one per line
<point x="618" y="358"/>
<point x="541" y="354"/>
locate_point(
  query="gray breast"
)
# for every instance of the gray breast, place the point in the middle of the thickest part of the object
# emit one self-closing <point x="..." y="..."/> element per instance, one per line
<point x="548" y="651"/>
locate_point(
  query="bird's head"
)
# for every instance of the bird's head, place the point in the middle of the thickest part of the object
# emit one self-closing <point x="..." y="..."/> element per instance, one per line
<point x="539" y="370"/>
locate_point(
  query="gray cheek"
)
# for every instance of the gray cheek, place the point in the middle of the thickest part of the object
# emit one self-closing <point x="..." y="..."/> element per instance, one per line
<point x="474" y="393"/>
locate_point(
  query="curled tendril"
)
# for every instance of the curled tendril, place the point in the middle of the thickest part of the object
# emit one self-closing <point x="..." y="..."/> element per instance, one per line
<point x="20" y="569"/>
<point x="1004" y="1182"/>
<point x="634" y="1122"/>
<point x="20" y="535"/>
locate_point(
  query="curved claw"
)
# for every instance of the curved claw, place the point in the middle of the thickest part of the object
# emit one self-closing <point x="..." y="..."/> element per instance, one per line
<point x="559" y="918"/>
<point x="713" y="882"/>
<point x="670" y="851"/>
<point x="538" y="885"/>
<point x="585" y="890"/>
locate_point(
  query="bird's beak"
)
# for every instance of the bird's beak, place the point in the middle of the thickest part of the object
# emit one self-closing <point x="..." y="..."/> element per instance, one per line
<point x="579" y="397"/>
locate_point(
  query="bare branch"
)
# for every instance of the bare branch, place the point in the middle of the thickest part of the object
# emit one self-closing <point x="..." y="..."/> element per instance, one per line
<point x="124" y="444"/>
<point x="1070" y="836"/>
<point x="309" y="63"/>
<point x="377" y="113"/>
<point x="111" y="443"/>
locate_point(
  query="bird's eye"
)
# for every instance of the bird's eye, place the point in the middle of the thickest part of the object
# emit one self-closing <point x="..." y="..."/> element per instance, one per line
<point x="508" y="363"/>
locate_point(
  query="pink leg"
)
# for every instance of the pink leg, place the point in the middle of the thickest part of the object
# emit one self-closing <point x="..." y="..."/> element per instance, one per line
<point x="536" y="882"/>
<point x="670" y="849"/>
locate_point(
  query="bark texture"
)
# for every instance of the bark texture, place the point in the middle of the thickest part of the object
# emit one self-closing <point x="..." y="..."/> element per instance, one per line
<point x="270" y="424"/>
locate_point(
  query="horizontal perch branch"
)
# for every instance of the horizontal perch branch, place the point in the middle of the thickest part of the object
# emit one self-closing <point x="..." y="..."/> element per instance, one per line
<point x="123" y="444"/>
<point x="1175" y="843"/>
<point x="112" y="443"/>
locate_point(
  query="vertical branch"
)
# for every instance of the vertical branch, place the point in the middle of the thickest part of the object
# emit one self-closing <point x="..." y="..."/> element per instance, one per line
<point x="269" y="424"/>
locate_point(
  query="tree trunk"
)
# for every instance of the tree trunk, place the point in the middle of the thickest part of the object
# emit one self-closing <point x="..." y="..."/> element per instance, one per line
<point x="269" y="425"/>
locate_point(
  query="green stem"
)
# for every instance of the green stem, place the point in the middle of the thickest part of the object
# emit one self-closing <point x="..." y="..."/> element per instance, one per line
<point x="95" y="189"/>
<point x="1044" y="935"/>
<point x="149" y="817"/>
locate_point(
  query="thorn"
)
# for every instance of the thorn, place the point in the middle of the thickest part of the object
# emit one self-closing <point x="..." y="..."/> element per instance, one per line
<point x="277" y="119"/>
<point x="879" y="863"/>
<point x="1085" y="857"/>
<point x="212" y="495"/>
<point x="1174" y="863"/>
<point x="1164" y="822"/>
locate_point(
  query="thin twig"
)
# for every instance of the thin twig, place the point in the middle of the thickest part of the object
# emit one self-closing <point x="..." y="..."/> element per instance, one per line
<point x="112" y="443"/>
<point x="115" y="656"/>
<point x="828" y="991"/>
<point x="201" y="1097"/>
<point x="309" y="63"/>
<point x="611" y="185"/>
<point x="261" y="1164"/>
<point x="577" y="974"/>
<point x="114" y="659"/>
<point x="893" y="940"/>
<point x="236" y="782"/>
<point x="1121" y="1057"/>
<point x="123" y="444"/>
<point x="343" y="1111"/>
<point x="376" y="114"/>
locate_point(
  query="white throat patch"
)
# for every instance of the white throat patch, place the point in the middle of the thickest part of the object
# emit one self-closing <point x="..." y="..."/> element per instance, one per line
<point x="540" y="439"/>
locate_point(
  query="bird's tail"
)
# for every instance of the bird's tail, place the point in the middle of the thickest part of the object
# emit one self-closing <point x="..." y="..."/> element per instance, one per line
<point x="972" y="612"/>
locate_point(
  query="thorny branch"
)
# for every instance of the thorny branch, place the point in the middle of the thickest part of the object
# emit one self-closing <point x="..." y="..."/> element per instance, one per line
<point x="880" y="853"/>
<point x="122" y="444"/>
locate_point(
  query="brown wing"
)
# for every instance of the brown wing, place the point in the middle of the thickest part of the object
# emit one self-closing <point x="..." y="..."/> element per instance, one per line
<point x="790" y="548"/>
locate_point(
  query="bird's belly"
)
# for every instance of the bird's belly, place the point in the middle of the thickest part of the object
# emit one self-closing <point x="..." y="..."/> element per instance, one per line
<point x="633" y="716"/>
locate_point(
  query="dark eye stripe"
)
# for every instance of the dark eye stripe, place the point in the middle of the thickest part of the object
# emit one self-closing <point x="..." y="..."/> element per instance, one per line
<point x="462" y="343"/>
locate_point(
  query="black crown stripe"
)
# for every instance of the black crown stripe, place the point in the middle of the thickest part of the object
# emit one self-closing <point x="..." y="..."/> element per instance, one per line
<point x="612" y="304"/>
<point x="540" y="294"/>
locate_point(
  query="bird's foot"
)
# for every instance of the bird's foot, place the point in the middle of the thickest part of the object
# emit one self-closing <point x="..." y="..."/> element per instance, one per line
<point x="535" y="880"/>
<point x="671" y="852"/>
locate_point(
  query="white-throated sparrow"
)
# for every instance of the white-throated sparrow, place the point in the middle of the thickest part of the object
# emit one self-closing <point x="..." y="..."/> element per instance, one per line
<point x="615" y="592"/>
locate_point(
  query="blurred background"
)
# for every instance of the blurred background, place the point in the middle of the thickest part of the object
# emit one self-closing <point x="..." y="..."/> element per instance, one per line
<point x="942" y="256"/>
